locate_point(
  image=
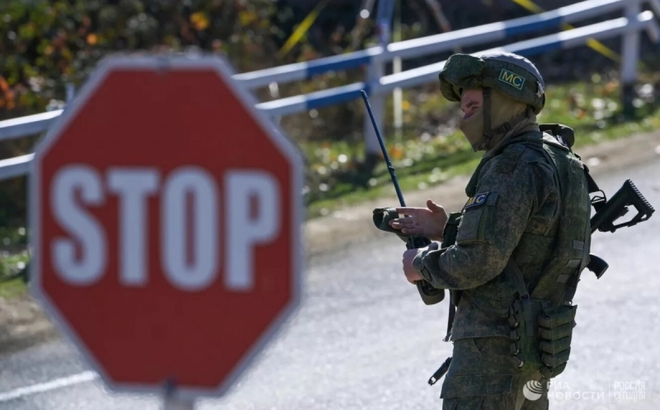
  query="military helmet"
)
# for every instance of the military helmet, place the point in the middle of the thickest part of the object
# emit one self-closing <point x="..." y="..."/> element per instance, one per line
<point x="511" y="74"/>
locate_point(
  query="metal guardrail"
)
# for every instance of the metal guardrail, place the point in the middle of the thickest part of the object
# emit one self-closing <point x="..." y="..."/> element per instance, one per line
<point x="425" y="74"/>
<point x="563" y="40"/>
<point x="31" y="124"/>
<point x="432" y="44"/>
<point x="14" y="167"/>
<point x="378" y="84"/>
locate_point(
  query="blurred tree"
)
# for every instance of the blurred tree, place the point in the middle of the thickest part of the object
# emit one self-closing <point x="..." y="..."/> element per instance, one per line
<point x="46" y="44"/>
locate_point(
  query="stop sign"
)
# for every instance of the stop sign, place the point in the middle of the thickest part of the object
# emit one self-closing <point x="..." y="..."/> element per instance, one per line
<point x="166" y="223"/>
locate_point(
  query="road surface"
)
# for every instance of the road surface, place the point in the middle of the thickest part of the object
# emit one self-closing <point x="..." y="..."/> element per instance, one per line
<point x="362" y="339"/>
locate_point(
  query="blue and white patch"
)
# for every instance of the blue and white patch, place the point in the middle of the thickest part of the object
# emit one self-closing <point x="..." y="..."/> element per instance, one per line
<point x="476" y="200"/>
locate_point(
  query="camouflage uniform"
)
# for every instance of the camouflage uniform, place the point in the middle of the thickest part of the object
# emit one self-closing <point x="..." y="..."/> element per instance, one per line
<point x="520" y="200"/>
<point x="513" y="213"/>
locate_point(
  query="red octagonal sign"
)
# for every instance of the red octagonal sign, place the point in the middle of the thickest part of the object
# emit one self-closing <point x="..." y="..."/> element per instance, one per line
<point x="166" y="218"/>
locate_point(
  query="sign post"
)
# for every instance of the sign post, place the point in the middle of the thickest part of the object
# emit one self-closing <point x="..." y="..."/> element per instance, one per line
<point x="166" y="225"/>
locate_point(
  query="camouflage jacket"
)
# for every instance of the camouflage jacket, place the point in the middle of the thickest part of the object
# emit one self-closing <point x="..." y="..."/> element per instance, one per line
<point x="513" y="211"/>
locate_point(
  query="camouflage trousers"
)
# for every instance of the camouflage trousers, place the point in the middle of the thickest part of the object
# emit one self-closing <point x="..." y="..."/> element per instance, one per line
<point x="483" y="376"/>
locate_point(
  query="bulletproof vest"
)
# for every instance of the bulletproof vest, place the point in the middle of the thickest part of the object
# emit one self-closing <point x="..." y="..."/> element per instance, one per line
<point x="568" y="249"/>
<point x="571" y="248"/>
<point x="541" y="319"/>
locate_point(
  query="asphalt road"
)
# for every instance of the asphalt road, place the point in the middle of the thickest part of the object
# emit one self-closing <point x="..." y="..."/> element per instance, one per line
<point x="363" y="340"/>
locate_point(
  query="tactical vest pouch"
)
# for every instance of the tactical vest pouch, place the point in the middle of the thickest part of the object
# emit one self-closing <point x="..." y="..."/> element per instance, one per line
<point x="524" y="325"/>
<point x="555" y="332"/>
<point x="541" y="335"/>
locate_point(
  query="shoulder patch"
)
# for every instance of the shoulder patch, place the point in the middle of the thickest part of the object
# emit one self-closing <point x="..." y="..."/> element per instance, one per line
<point x="476" y="200"/>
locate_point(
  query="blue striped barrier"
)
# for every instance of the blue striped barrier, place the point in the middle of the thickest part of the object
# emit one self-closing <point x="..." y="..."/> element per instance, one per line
<point x="429" y="73"/>
<point x="403" y="49"/>
<point x="318" y="99"/>
<point x="563" y="40"/>
<point x="14" y="167"/>
<point x="308" y="69"/>
<point x="30" y="124"/>
<point x="432" y="44"/>
<point x="411" y="48"/>
<point x="502" y="30"/>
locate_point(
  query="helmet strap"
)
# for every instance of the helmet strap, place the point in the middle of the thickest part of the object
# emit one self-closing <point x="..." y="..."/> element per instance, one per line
<point x="488" y="132"/>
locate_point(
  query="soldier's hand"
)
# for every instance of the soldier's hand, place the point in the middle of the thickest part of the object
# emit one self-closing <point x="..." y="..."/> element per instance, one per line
<point x="411" y="274"/>
<point x="429" y="222"/>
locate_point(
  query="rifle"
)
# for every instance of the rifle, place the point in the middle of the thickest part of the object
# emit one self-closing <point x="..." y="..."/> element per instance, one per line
<point x="382" y="217"/>
<point x="607" y="212"/>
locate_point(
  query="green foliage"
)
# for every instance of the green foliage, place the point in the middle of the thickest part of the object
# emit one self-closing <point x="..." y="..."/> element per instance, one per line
<point x="11" y="265"/>
<point x="51" y="43"/>
<point x="13" y="289"/>
<point x="13" y="237"/>
<point x="13" y="261"/>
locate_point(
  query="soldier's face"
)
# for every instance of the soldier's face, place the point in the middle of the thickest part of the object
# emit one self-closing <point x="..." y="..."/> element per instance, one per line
<point x="471" y="101"/>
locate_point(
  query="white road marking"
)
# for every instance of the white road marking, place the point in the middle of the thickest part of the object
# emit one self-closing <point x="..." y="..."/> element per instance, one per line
<point x="49" y="385"/>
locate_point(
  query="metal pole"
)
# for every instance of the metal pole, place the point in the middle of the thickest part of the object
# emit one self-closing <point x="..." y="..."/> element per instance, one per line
<point x="375" y="71"/>
<point x="70" y="92"/>
<point x="274" y="89"/>
<point x="178" y="404"/>
<point x="630" y="57"/>
<point x="397" y="95"/>
<point x="173" y="401"/>
<point x="384" y="21"/>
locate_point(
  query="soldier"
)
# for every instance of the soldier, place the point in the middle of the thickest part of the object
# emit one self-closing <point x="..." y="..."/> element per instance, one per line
<point x="522" y="239"/>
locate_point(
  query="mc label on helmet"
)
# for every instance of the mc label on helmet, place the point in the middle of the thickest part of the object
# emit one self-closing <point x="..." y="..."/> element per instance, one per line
<point x="511" y="78"/>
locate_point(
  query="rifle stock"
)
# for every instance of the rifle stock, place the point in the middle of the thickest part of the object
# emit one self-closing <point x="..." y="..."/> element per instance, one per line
<point x="608" y="211"/>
